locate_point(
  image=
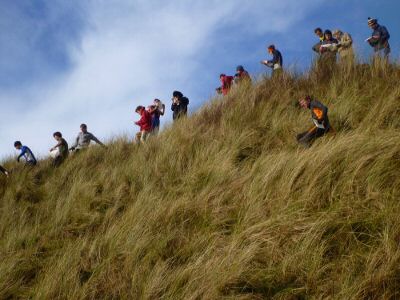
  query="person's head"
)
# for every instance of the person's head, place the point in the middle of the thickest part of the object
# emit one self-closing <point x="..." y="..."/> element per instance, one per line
<point x="305" y="102"/>
<point x="57" y="135"/>
<point x="372" y="23"/>
<point x="139" y="109"/>
<point x="271" y="48"/>
<point x="83" y="128"/>
<point x="221" y="76"/>
<point x="18" y="145"/>
<point x="239" y="69"/>
<point x="157" y="101"/>
<point x="337" y="33"/>
<point x="328" y="34"/>
<point x="318" y="32"/>
<point x="176" y="95"/>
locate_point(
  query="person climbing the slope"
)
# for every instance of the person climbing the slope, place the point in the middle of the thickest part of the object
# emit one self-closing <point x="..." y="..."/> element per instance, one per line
<point x="156" y="110"/>
<point x="26" y="153"/>
<point x="344" y="46"/>
<point x="60" y="150"/>
<point x="4" y="171"/>
<point x="179" y="105"/>
<point x="379" y="39"/>
<point x="319" y="115"/>
<point x="241" y="75"/>
<point x="83" y="139"/>
<point x="144" y="123"/>
<point x="277" y="62"/>
<point x="320" y="34"/>
<point x="226" y="84"/>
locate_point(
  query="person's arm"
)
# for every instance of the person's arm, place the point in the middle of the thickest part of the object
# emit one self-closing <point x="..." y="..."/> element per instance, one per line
<point x="162" y="111"/>
<point x="95" y="139"/>
<point x="56" y="146"/>
<point x="3" y="170"/>
<point x="76" y="143"/>
<point x="23" y="151"/>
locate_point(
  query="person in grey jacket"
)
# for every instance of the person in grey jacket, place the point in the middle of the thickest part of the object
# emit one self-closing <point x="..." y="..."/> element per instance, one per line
<point x="379" y="39"/>
<point x="83" y="139"/>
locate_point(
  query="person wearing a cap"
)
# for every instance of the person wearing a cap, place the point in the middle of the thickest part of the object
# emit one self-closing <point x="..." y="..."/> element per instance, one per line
<point x="179" y="105"/>
<point x="345" y="44"/>
<point x="277" y="61"/>
<point x="379" y="39"/>
<point x="320" y="34"/>
<point x="241" y="75"/>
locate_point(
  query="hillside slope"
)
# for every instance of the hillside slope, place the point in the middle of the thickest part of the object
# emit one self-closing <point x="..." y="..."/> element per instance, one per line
<point x="222" y="205"/>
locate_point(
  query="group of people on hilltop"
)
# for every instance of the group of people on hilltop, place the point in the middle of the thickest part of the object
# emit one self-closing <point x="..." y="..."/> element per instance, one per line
<point x="329" y="44"/>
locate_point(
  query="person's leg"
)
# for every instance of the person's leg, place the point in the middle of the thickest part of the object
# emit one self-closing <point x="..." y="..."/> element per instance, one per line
<point x="3" y="170"/>
<point x="144" y="136"/>
<point x="57" y="161"/>
<point x="138" y="137"/>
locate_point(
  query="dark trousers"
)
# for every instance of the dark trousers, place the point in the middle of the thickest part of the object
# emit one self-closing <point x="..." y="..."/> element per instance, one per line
<point x="58" y="161"/>
<point x="308" y="137"/>
<point x="2" y="170"/>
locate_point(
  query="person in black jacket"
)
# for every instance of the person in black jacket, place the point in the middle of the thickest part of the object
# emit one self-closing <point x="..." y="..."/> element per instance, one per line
<point x="3" y="170"/>
<point x="277" y="61"/>
<point x="319" y="115"/>
<point x="179" y="105"/>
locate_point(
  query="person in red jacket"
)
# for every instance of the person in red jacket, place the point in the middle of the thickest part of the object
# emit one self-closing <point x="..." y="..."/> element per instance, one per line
<point x="226" y="84"/>
<point x="144" y="123"/>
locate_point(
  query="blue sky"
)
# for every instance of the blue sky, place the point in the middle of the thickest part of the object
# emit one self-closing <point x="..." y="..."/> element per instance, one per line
<point x="64" y="62"/>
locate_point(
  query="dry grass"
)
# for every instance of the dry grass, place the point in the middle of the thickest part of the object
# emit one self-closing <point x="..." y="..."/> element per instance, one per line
<point x="223" y="205"/>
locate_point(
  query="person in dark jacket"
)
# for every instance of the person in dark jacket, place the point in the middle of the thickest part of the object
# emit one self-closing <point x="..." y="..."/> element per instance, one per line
<point x="26" y="153"/>
<point x="156" y="110"/>
<point x="4" y="171"/>
<point x="241" y="75"/>
<point x="277" y="61"/>
<point x="329" y="47"/>
<point x="179" y="105"/>
<point x="320" y="34"/>
<point x="226" y="84"/>
<point x="319" y="115"/>
<point x="62" y="147"/>
<point x="145" y="124"/>
<point x="379" y="39"/>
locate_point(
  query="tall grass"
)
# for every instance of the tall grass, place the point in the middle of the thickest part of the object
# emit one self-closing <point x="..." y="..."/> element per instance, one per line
<point x="222" y="205"/>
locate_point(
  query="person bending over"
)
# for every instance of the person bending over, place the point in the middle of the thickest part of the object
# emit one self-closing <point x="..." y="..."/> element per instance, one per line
<point x="26" y="153"/>
<point x="83" y="139"/>
<point x="61" y="147"/>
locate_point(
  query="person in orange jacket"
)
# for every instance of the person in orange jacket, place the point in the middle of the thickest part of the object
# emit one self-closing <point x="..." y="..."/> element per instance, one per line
<point x="226" y="84"/>
<point x="319" y="115"/>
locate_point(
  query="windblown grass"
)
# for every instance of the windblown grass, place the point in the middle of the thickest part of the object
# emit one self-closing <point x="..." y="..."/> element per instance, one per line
<point x="222" y="205"/>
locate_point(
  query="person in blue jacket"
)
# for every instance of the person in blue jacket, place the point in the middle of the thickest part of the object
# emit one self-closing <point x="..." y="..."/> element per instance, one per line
<point x="26" y="153"/>
<point x="277" y="61"/>
<point x="379" y="39"/>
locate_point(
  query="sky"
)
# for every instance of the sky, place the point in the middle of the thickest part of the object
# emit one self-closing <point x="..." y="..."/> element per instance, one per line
<point x="67" y="62"/>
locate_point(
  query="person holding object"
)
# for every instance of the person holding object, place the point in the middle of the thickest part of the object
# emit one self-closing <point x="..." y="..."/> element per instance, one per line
<point x="345" y="44"/>
<point x="379" y="40"/>
<point x="26" y="153"/>
<point x="226" y="84"/>
<point x="320" y="34"/>
<point x="319" y="115"/>
<point x="83" y="139"/>
<point x="144" y="123"/>
<point x="156" y="110"/>
<point x="241" y="75"/>
<point x="277" y="61"/>
<point x="4" y="171"/>
<point x="60" y="150"/>
<point x="179" y="105"/>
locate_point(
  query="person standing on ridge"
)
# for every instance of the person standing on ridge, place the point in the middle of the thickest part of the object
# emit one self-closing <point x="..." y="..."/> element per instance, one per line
<point x="179" y="105"/>
<point x="277" y="62"/>
<point x="241" y="75"/>
<point x="4" y="171"/>
<point x="226" y="84"/>
<point x="62" y="147"/>
<point x="329" y="48"/>
<point x="26" y="153"/>
<point x="379" y="39"/>
<point x="144" y="123"/>
<point x="319" y="115"/>
<point x="345" y="44"/>
<point x="320" y="34"/>
<point x="83" y="139"/>
<point x="156" y="110"/>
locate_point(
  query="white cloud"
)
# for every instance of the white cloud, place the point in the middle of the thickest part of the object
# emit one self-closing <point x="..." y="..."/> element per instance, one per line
<point x="132" y="52"/>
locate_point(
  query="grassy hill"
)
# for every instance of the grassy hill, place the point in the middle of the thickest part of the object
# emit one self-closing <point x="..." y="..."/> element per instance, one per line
<point x="222" y="205"/>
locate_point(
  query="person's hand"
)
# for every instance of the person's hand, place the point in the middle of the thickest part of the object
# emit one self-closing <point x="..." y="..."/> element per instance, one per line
<point x="72" y="149"/>
<point x="52" y="149"/>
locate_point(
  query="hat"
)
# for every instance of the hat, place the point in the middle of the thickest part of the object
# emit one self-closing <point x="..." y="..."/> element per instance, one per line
<point x="271" y="47"/>
<point x="177" y="94"/>
<point x="240" y="68"/>
<point x="372" y="21"/>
